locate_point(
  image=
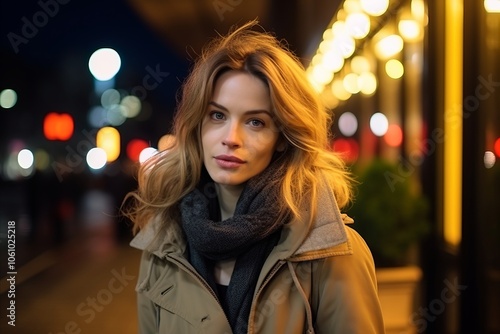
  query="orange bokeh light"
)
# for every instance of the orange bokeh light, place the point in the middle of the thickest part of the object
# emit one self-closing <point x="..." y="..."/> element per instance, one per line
<point x="394" y="135"/>
<point x="58" y="126"/>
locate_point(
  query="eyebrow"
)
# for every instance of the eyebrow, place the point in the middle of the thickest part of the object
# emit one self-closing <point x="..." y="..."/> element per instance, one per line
<point x="249" y="112"/>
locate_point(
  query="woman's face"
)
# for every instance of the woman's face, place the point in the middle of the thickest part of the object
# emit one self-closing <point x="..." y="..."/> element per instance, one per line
<point x="238" y="133"/>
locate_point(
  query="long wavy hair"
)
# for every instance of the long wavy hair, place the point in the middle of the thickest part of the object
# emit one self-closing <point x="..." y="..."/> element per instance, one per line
<point x="303" y="123"/>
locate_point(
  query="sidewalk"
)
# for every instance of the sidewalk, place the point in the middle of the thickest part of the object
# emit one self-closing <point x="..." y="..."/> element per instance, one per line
<point x="78" y="288"/>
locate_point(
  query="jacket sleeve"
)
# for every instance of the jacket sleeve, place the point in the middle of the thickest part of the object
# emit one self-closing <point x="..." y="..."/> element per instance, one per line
<point x="347" y="297"/>
<point x="147" y="310"/>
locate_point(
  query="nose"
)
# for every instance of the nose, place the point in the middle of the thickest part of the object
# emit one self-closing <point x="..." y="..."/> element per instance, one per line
<point x="233" y="136"/>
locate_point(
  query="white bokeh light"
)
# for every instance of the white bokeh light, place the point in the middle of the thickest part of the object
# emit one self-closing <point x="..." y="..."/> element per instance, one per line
<point x="131" y="106"/>
<point x="25" y="159"/>
<point x="110" y="97"/>
<point x="115" y="115"/>
<point x="348" y="124"/>
<point x="147" y="153"/>
<point x="489" y="159"/>
<point x="379" y="124"/>
<point x="96" y="158"/>
<point x="8" y="98"/>
<point x="374" y="8"/>
<point x="104" y="64"/>
<point x="358" y="24"/>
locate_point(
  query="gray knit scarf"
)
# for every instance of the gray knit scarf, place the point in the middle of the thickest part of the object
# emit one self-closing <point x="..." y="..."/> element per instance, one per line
<point x="249" y="236"/>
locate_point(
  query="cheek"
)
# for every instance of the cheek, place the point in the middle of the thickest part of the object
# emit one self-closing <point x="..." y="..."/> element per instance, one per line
<point x="266" y="141"/>
<point x="206" y="138"/>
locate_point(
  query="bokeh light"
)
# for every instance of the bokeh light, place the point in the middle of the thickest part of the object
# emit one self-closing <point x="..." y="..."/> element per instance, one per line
<point x="367" y="83"/>
<point x="348" y="124"/>
<point x="25" y="159"/>
<point x="351" y="6"/>
<point x="360" y="64"/>
<point x="166" y="141"/>
<point x="418" y="9"/>
<point x="339" y="91"/>
<point x="347" y="147"/>
<point x="409" y="30"/>
<point x="489" y="159"/>
<point x="358" y="24"/>
<point x="497" y="147"/>
<point x="110" y="97"/>
<point x="379" y="124"/>
<point x="147" y="153"/>
<point x="333" y="60"/>
<point x="42" y="160"/>
<point x="394" y="135"/>
<point x="131" y="106"/>
<point x="389" y="46"/>
<point x="321" y="74"/>
<point x="345" y="44"/>
<point x="58" y="126"/>
<point x="108" y="139"/>
<point x="351" y="83"/>
<point x="114" y="115"/>
<point x="394" y="69"/>
<point x="96" y="158"/>
<point x="8" y="98"/>
<point x="374" y="7"/>
<point x="492" y="6"/>
<point x="135" y="147"/>
<point x="97" y="117"/>
<point x="104" y="64"/>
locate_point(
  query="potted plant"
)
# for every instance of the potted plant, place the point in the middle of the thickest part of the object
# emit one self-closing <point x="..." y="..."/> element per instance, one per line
<point x="392" y="219"/>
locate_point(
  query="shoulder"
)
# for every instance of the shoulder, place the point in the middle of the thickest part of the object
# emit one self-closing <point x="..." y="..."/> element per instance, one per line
<point x="358" y="244"/>
<point x="356" y="249"/>
<point x="353" y="261"/>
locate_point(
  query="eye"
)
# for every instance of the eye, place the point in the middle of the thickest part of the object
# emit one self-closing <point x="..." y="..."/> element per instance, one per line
<point x="256" y="123"/>
<point x="217" y="115"/>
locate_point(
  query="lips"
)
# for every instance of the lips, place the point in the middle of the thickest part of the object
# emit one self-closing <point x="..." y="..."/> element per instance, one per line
<point x="228" y="161"/>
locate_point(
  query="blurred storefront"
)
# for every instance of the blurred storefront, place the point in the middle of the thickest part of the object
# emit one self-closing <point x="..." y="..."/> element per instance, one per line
<point x="417" y="83"/>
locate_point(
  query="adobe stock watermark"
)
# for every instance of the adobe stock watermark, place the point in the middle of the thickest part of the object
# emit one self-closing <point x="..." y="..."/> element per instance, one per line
<point x="406" y="167"/>
<point x="421" y="318"/>
<point x="92" y="305"/>
<point x="74" y="160"/>
<point x="31" y="27"/>
<point x="150" y="82"/>
<point x="223" y="6"/>
<point x="75" y="157"/>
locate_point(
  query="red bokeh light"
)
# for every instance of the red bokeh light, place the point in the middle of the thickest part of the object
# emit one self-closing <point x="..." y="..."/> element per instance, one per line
<point x="58" y="126"/>
<point x="135" y="147"/>
<point x="497" y="147"/>
<point x="348" y="148"/>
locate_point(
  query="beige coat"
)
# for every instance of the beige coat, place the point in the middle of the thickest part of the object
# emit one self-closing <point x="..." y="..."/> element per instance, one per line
<point x="318" y="279"/>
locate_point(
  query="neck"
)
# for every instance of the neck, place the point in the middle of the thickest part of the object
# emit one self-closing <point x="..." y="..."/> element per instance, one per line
<point x="228" y="197"/>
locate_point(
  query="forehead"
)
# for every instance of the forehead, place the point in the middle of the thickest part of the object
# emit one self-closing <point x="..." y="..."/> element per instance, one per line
<point x="238" y="87"/>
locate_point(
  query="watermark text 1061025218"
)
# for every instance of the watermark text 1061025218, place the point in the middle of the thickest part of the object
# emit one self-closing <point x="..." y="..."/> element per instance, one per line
<point x="11" y="272"/>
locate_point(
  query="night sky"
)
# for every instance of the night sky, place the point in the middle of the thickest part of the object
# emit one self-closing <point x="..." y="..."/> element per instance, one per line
<point x="45" y="50"/>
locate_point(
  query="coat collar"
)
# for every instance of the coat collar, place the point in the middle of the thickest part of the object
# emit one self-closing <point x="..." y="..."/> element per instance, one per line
<point x="297" y="239"/>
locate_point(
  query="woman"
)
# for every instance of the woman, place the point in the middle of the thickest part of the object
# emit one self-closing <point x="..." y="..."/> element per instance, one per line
<point x="239" y="222"/>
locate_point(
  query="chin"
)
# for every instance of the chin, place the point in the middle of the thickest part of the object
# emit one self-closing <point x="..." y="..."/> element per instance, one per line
<point x="225" y="178"/>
